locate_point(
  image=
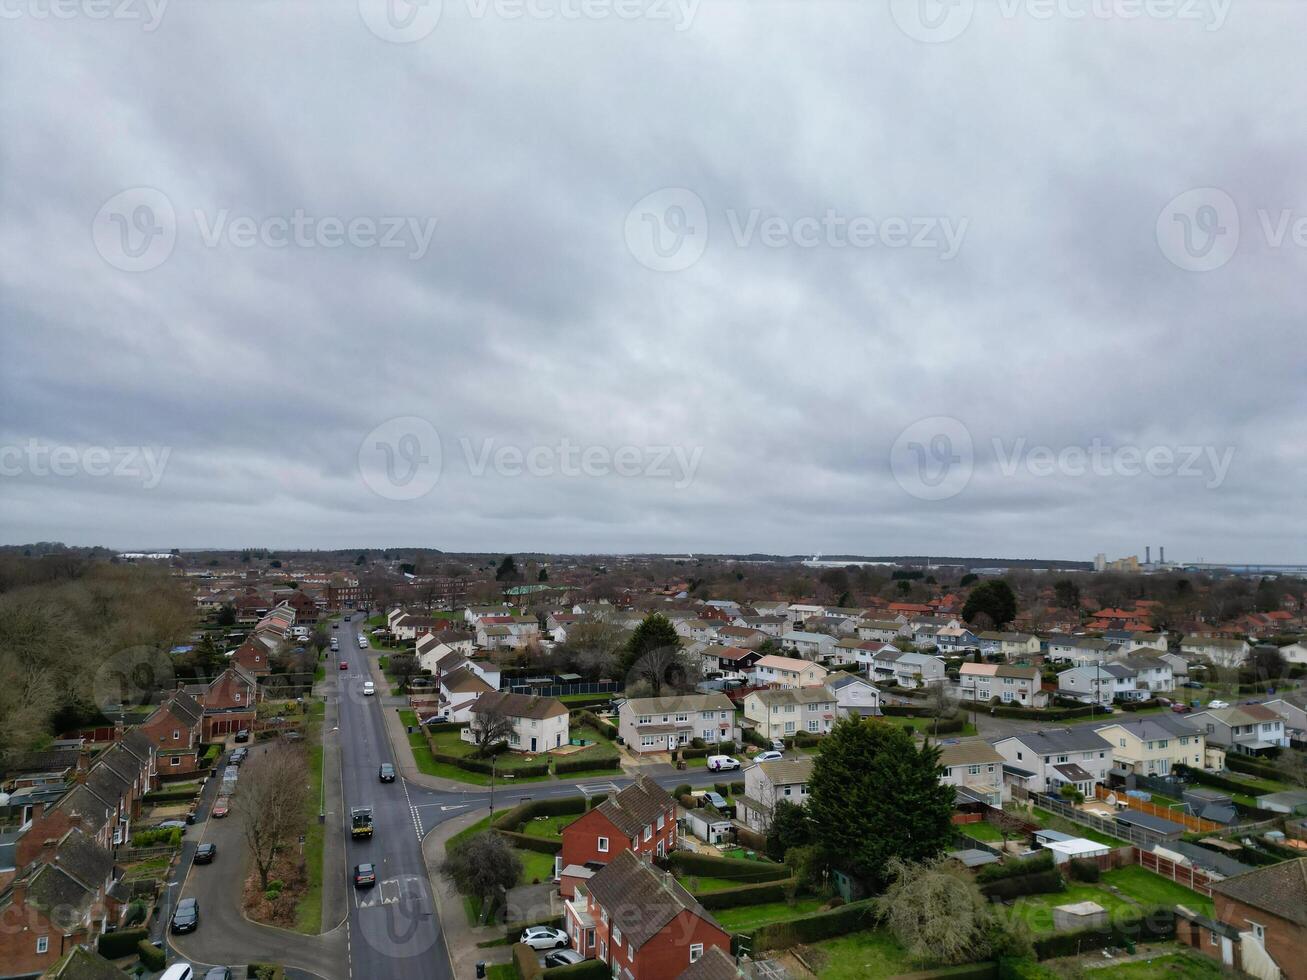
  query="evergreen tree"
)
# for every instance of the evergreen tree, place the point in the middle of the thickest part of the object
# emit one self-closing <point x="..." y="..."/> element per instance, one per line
<point x="995" y="599"/>
<point x="507" y="570"/>
<point x="655" y="632"/>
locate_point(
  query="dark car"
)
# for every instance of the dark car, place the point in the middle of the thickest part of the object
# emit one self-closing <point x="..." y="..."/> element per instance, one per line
<point x="386" y="773"/>
<point x="218" y="973"/>
<point x="365" y="876"/>
<point x="335" y="626"/>
<point x="187" y="916"/>
<point x="243" y="735"/>
<point x="563" y="957"/>
<point x="205" y="853"/>
<point x="292" y="736"/>
<point x="239" y="756"/>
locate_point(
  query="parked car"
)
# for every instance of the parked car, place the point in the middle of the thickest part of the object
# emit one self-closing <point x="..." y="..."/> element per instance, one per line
<point x="218" y="973"/>
<point x="292" y="736"/>
<point x="205" y="853"/>
<point x="722" y="763"/>
<point x="1180" y="708"/>
<point x="242" y="736"/>
<point x="1218" y="704"/>
<point x="221" y="807"/>
<point x="717" y="800"/>
<point x="778" y="744"/>
<point x="386" y="773"/>
<point x="239" y="756"/>
<point x="544" y="937"/>
<point x="344" y="665"/>
<point x="563" y="957"/>
<point x="187" y="916"/>
<point x="771" y="755"/>
<point x="365" y="875"/>
<point x="369" y="689"/>
<point x="1193" y="684"/>
<point x="178" y="971"/>
<point x="174" y="825"/>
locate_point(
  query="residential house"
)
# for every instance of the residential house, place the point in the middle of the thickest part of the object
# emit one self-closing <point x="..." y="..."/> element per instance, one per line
<point x="956" y="640"/>
<point x="906" y="669"/>
<point x="733" y="661"/>
<point x="778" y="713"/>
<point x="741" y="636"/>
<point x="1044" y="761"/>
<point x="1078" y="651"/>
<point x="640" y="818"/>
<point x="1293" y="709"/>
<point x="773" y="609"/>
<point x="539" y="724"/>
<point x="772" y="626"/>
<point x="1093" y="684"/>
<point x="698" y="630"/>
<point x="851" y="650"/>
<point x="1179" y="668"/>
<point x="1154" y="746"/>
<point x="1010" y="646"/>
<point x="409" y="627"/>
<point x="767" y="783"/>
<point x="1153" y="675"/>
<point x="1221" y="651"/>
<point x="1008" y="683"/>
<point x="1250" y="729"/>
<point x="884" y="631"/>
<point x="474" y="614"/>
<point x="854" y="695"/>
<point x="230" y="702"/>
<point x="1259" y="925"/>
<point x="800" y="612"/>
<point x="810" y="646"/>
<point x="640" y="921"/>
<point x="254" y="656"/>
<point x="786" y="672"/>
<point x="459" y="691"/>
<point x="82" y="964"/>
<point x="662" y="724"/>
<point x="976" y="767"/>
<point x="176" y="730"/>
<point x="1295" y="653"/>
<point x="433" y="648"/>
<point x="1145" y="641"/>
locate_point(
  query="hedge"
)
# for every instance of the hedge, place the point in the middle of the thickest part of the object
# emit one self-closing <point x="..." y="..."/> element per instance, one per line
<point x="1039" y="883"/>
<point x="585" y="970"/>
<point x="1138" y="705"/>
<point x="113" y="945"/>
<point x="211" y="755"/>
<point x="1251" y="767"/>
<point x="729" y="898"/>
<point x="726" y="748"/>
<point x="540" y="845"/>
<point x="476" y="765"/>
<point x="158" y="837"/>
<point x="1220" y="782"/>
<point x="1085" y="869"/>
<point x="527" y="962"/>
<point x="813" y="928"/>
<point x="967" y="971"/>
<point x="751" y="736"/>
<point x="152" y="957"/>
<point x="601" y="725"/>
<point x="1042" y="861"/>
<point x="513" y="818"/>
<point x="443" y="726"/>
<point x="586" y="763"/>
<point x="732" y="869"/>
<point x="690" y="752"/>
<point x="170" y="796"/>
<point x="1157" y="922"/>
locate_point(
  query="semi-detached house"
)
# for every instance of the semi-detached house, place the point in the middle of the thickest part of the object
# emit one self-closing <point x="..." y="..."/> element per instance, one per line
<point x="786" y="672"/>
<point x="1008" y="683"/>
<point x="1154" y="746"/>
<point x="663" y="724"/>
<point x="778" y="713"/>
<point x="1044" y="761"/>
<point x="768" y="783"/>
<point x="640" y="818"/>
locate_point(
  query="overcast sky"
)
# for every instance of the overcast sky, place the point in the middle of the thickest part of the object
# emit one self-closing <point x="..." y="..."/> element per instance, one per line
<point x="1010" y="278"/>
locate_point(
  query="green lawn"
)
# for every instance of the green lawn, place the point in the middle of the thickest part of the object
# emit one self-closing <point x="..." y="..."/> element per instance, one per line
<point x="1037" y="910"/>
<point x="870" y="954"/>
<point x="308" y="912"/>
<point x="927" y="725"/>
<point x="981" y="831"/>
<point x="503" y="971"/>
<point x="746" y="918"/>
<point x="1148" y="888"/>
<point x="699" y="883"/>
<point x="535" y="865"/>
<point x="550" y="828"/>
<point x="1172" y="965"/>
<point x="449" y="743"/>
<point x="430" y="766"/>
<point x="740" y="854"/>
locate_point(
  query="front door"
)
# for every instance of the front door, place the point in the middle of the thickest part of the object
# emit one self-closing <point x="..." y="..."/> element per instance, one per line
<point x="533" y="743"/>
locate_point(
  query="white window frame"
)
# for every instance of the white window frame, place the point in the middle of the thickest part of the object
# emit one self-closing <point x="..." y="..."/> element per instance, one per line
<point x="696" y="951"/>
<point x="42" y="945"/>
<point x="601" y="845"/>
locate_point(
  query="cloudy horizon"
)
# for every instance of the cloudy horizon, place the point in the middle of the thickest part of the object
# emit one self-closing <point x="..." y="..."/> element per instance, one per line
<point x="1000" y="277"/>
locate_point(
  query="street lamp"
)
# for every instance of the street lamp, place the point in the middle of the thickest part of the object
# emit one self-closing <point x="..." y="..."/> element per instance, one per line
<point x="494" y="759"/>
<point x="167" y="903"/>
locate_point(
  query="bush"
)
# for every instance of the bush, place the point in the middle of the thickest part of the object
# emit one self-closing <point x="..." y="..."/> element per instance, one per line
<point x="587" y="970"/>
<point x="265" y="971"/>
<point x="728" y="898"/>
<point x="1085" y="869"/>
<point x="527" y="962"/>
<point x="683" y="790"/>
<point x="722" y="789"/>
<point x="515" y="817"/>
<point x="1039" y="883"/>
<point x="538" y="844"/>
<point x="698" y="743"/>
<point x="170" y="796"/>
<point x="153" y="958"/>
<point x="813" y="928"/>
<point x="752" y="736"/>
<point x="158" y="837"/>
<point x="726" y="748"/>
<point x="1157" y="922"/>
<point x="732" y="869"/>
<point x="737" y="788"/>
<point x="113" y="945"/>
<point x="586" y="763"/>
<point x="689" y="752"/>
<point x="136" y="913"/>
<point x="1042" y="861"/>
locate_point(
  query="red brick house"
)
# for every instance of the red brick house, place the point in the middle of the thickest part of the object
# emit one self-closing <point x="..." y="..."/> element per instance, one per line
<point x="640" y="921"/>
<point x="641" y="818"/>
<point x="176" y="729"/>
<point x="59" y="900"/>
<point x="714" y="964"/>
<point x="1260" y="922"/>
<point x="229" y="702"/>
<point x="253" y="655"/>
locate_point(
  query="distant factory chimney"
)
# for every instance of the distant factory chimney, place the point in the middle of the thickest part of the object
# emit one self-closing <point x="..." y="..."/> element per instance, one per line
<point x="1148" y="554"/>
<point x="1161" y="554"/>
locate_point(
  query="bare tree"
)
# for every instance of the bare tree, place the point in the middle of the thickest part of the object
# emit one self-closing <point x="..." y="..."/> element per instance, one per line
<point x="490" y="725"/>
<point x="664" y="669"/>
<point x="404" y="667"/>
<point x="483" y="866"/>
<point x="271" y="801"/>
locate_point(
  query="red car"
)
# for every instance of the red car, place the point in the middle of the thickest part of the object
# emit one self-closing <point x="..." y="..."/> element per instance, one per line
<point x="344" y="665"/>
<point x="222" y="807"/>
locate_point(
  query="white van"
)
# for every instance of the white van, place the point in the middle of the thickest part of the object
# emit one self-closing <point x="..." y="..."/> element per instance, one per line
<point x="178" y="971"/>
<point x="722" y="763"/>
<point x="369" y="688"/>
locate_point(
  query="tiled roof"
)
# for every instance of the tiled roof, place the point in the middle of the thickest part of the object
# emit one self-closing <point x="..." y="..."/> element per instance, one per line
<point x="641" y="900"/>
<point x="680" y="702"/>
<point x="968" y="752"/>
<point x="520" y="705"/>
<point x="82" y="964"/>
<point x="465" y="680"/>
<point x="799" y="695"/>
<point x="713" y="965"/>
<point x="784" y="772"/>
<point x="637" y="806"/>
<point x="1280" y="889"/>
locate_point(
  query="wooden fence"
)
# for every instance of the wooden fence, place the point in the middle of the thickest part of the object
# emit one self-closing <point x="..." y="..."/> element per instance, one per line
<point x="1181" y="874"/>
<point x="1175" y="815"/>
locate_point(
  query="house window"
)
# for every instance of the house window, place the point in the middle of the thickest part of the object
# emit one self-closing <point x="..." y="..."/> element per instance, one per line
<point x="789" y="727"/>
<point x="648" y="831"/>
<point x="812" y="724"/>
<point x="661" y="821"/>
<point x="237" y="696"/>
<point x="176" y="761"/>
<point x="1259" y="931"/>
<point x="617" y="936"/>
<point x="696" y="950"/>
<point x="176" y="734"/>
<point x="602" y="845"/>
<point x="973" y="770"/>
<point x="42" y="945"/>
<point x="590" y="938"/>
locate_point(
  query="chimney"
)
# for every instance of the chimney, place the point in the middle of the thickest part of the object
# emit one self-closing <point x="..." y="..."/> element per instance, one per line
<point x="1161" y="554"/>
<point x="1148" y="554"/>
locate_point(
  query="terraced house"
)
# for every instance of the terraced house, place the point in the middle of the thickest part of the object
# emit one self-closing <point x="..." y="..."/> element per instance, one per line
<point x="784" y="712"/>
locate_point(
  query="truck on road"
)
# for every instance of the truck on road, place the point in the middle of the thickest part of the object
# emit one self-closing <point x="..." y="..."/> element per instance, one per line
<point x="360" y="818"/>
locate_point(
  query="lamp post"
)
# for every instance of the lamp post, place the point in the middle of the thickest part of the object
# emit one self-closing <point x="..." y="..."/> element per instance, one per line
<point x="163" y="935"/>
<point x="493" y="762"/>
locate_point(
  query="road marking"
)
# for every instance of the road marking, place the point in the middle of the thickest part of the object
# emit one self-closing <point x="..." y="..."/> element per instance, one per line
<point x="413" y="812"/>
